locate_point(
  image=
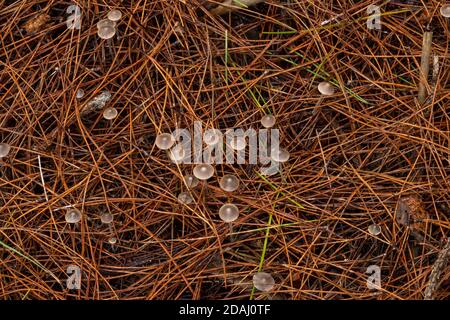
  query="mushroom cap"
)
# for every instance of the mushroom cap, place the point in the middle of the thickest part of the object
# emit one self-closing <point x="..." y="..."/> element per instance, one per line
<point x="268" y="121"/>
<point x="114" y="15"/>
<point x="185" y="198"/>
<point x="106" y="23"/>
<point x="73" y="215"/>
<point x="106" y="32"/>
<point x="177" y="153"/>
<point x="374" y="229"/>
<point x="281" y="156"/>
<point x="326" y="88"/>
<point x="110" y="113"/>
<point x="191" y="181"/>
<point x="238" y="143"/>
<point x="229" y="183"/>
<point x="4" y="149"/>
<point x="107" y="218"/>
<point x="445" y="10"/>
<point x="164" y="141"/>
<point x="203" y="171"/>
<point x="79" y="94"/>
<point x="212" y="136"/>
<point x="263" y="281"/>
<point x="229" y="212"/>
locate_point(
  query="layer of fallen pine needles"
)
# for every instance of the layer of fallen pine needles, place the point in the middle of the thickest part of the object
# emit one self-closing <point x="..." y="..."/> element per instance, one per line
<point x="371" y="153"/>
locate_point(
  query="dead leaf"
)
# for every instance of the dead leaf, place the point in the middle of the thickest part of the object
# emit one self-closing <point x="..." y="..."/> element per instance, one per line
<point x="36" y="23"/>
<point x="410" y="212"/>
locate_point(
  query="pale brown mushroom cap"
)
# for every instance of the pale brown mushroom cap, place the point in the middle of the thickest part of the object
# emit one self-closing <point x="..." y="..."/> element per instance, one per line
<point x="228" y="212"/>
<point x="106" y="32"/>
<point x="229" y="183"/>
<point x="106" y="218"/>
<point x="212" y="136"/>
<point x="374" y="229"/>
<point x="281" y="156"/>
<point x="4" y="149"/>
<point x="263" y="281"/>
<point x="177" y="153"/>
<point x="185" y="198"/>
<point x="106" y="23"/>
<point x="445" y="10"/>
<point x="326" y="88"/>
<point x="268" y="121"/>
<point x="203" y="171"/>
<point x="164" y="141"/>
<point x="114" y="15"/>
<point x="110" y="113"/>
<point x="73" y="215"/>
<point x="191" y="181"/>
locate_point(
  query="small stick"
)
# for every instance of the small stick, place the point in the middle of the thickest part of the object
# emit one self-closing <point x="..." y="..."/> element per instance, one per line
<point x="425" y="65"/>
<point x="228" y="5"/>
<point x="438" y="268"/>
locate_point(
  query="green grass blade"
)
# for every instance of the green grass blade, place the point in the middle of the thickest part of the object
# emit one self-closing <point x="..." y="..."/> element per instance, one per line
<point x="32" y="260"/>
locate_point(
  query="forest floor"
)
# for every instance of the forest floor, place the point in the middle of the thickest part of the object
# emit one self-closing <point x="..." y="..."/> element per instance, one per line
<point x="360" y="210"/>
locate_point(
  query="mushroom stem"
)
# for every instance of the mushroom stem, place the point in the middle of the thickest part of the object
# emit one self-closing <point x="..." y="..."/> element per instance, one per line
<point x="317" y="106"/>
<point x="109" y="46"/>
<point x="231" y="231"/>
<point x="112" y="233"/>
